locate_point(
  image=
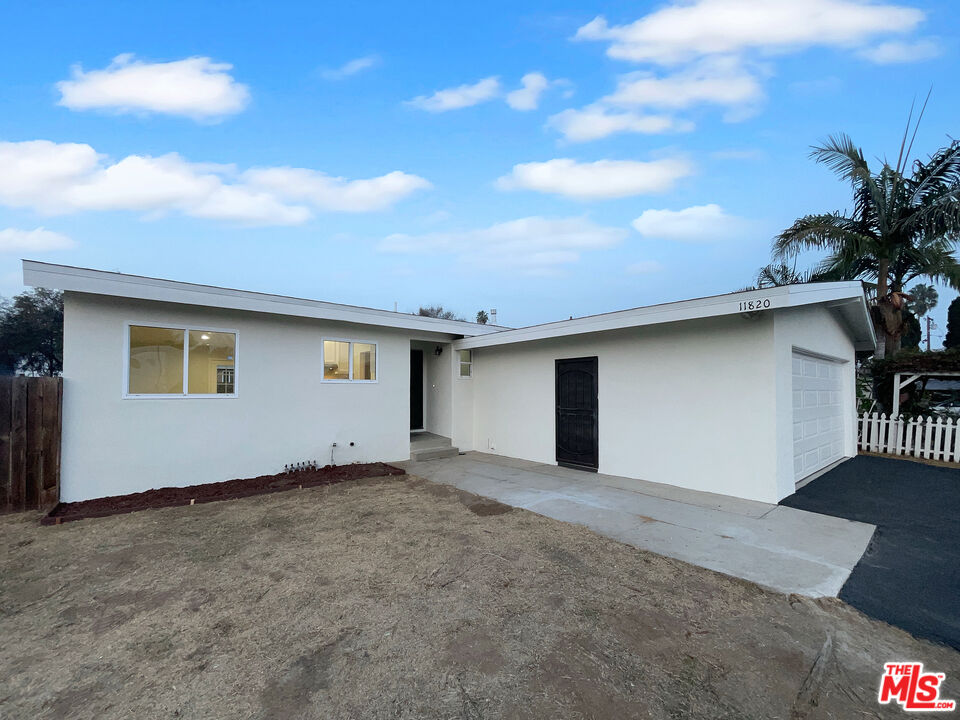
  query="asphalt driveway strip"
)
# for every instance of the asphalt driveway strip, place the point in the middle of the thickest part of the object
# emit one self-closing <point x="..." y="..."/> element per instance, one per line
<point x="909" y="575"/>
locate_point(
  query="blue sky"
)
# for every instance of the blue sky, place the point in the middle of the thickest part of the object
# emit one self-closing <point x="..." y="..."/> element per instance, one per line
<point x="373" y="153"/>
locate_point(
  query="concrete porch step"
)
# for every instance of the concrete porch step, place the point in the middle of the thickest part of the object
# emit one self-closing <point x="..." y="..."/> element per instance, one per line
<point x="433" y="453"/>
<point x="428" y="446"/>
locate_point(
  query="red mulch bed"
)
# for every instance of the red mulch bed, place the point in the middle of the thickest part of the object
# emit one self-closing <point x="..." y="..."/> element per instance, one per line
<point x="212" y="492"/>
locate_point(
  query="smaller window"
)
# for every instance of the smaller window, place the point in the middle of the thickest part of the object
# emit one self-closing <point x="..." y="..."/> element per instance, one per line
<point x="466" y="363"/>
<point x="348" y="361"/>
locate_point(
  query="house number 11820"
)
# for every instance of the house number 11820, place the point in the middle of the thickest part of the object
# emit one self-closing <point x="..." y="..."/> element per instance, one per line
<point x="755" y="305"/>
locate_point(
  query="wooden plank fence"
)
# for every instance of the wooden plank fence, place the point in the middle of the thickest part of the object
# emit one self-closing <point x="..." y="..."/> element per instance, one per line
<point x="930" y="438"/>
<point x="29" y="442"/>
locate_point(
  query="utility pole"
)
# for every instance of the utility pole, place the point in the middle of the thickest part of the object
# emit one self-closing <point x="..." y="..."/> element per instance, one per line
<point x="930" y="326"/>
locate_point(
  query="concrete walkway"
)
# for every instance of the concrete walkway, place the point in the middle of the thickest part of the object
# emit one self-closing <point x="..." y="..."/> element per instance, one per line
<point x="784" y="549"/>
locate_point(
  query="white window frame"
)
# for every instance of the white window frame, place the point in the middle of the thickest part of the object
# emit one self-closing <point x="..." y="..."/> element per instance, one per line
<point x="127" y="395"/>
<point x="351" y="342"/>
<point x="461" y="363"/>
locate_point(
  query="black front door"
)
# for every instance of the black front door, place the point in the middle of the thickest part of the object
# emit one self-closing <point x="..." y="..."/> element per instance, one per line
<point x="577" y="438"/>
<point x="416" y="389"/>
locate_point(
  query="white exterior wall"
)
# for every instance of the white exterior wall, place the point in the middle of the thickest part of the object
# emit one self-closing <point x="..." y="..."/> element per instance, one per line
<point x="462" y="430"/>
<point x="703" y="404"/>
<point x="689" y="404"/>
<point x="283" y="413"/>
<point x="813" y="329"/>
<point x="438" y="386"/>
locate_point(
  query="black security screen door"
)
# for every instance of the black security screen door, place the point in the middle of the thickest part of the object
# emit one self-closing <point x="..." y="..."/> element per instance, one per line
<point x="416" y="389"/>
<point x="577" y="439"/>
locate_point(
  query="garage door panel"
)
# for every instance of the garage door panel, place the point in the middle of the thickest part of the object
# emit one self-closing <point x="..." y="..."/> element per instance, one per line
<point x="817" y="414"/>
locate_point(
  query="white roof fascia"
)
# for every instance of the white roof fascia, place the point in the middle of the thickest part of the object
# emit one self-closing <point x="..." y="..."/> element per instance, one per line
<point x="99" y="282"/>
<point x="855" y="315"/>
<point x="715" y="306"/>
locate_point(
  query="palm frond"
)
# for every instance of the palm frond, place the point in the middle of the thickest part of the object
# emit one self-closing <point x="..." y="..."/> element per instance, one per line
<point x="840" y="154"/>
<point x="931" y="179"/>
<point x="905" y="156"/>
<point x="845" y="266"/>
<point x="777" y="274"/>
<point x="819" y="232"/>
<point x="939" y="217"/>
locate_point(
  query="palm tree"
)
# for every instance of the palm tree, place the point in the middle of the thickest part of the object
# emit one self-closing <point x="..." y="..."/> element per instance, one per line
<point x="923" y="299"/>
<point x="902" y="227"/>
<point x="777" y="274"/>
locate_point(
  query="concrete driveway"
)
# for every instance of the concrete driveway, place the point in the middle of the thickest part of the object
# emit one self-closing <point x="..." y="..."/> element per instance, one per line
<point x="781" y="548"/>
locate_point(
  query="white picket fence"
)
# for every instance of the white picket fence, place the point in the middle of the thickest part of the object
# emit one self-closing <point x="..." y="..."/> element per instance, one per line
<point x="930" y="438"/>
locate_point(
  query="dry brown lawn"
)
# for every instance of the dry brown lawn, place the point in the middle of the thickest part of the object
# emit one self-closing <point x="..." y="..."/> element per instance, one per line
<point x="398" y="598"/>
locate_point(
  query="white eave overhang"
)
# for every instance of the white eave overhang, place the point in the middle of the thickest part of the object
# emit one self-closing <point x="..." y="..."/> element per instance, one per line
<point x="99" y="282"/>
<point x="846" y="299"/>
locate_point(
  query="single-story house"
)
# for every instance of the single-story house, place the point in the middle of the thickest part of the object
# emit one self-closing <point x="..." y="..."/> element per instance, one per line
<point x="171" y="384"/>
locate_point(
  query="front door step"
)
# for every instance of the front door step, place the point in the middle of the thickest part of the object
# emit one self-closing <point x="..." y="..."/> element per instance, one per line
<point x="434" y="453"/>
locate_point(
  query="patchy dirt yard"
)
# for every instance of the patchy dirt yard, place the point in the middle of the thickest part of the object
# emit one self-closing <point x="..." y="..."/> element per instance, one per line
<point x="397" y="598"/>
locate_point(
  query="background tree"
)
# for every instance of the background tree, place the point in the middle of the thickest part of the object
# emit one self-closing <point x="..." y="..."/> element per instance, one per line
<point x="952" y="340"/>
<point x="902" y="226"/>
<point x="912" y="334"/>
<point x="437" y="311"/>
<point x="923" y="299"/>
<point x="482" y="317"/>
<point x="31" y="332"/>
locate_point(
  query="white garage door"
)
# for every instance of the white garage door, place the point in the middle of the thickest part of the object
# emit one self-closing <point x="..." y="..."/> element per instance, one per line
<point x="818" y="409"/>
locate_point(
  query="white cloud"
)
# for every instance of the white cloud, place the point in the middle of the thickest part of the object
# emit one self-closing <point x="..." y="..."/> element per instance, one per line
<point x="681" y="32"/>
<point x="532" y="245"/>
<point x="528" y="96"/>
<point x="717" y="81"/>
<point x="459" y="97"/>
<point x="39" y="173"/>
<point x="196" y="87"/>
<point x="715" y="46"/>
<point x="894" y="51"/>
<point x="39" y="240"/>
<point x="700" y="223"/>
<point x="644" y="267"/>
<point x="597" y="180"/>
<point x="335" y="193"/>
<point x="63" y="178"/>
<point x="351" y="67"/>
<point x="595" y="121"/>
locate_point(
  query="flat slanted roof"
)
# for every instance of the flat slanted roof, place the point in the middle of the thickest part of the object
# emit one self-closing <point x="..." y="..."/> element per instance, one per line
<point x="99" y="282"/>
<point x="845" y="298"/>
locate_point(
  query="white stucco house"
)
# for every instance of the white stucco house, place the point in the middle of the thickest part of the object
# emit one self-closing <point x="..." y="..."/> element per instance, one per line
<point x="172" y="384"/>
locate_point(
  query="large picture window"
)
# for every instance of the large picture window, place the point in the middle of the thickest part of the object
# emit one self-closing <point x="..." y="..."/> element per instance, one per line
<point x="180" y="362"/>
<point x="349" y="361"/>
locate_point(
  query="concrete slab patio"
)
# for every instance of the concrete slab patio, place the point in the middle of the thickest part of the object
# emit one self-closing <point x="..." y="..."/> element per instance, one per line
<point x="781" y="548"/>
